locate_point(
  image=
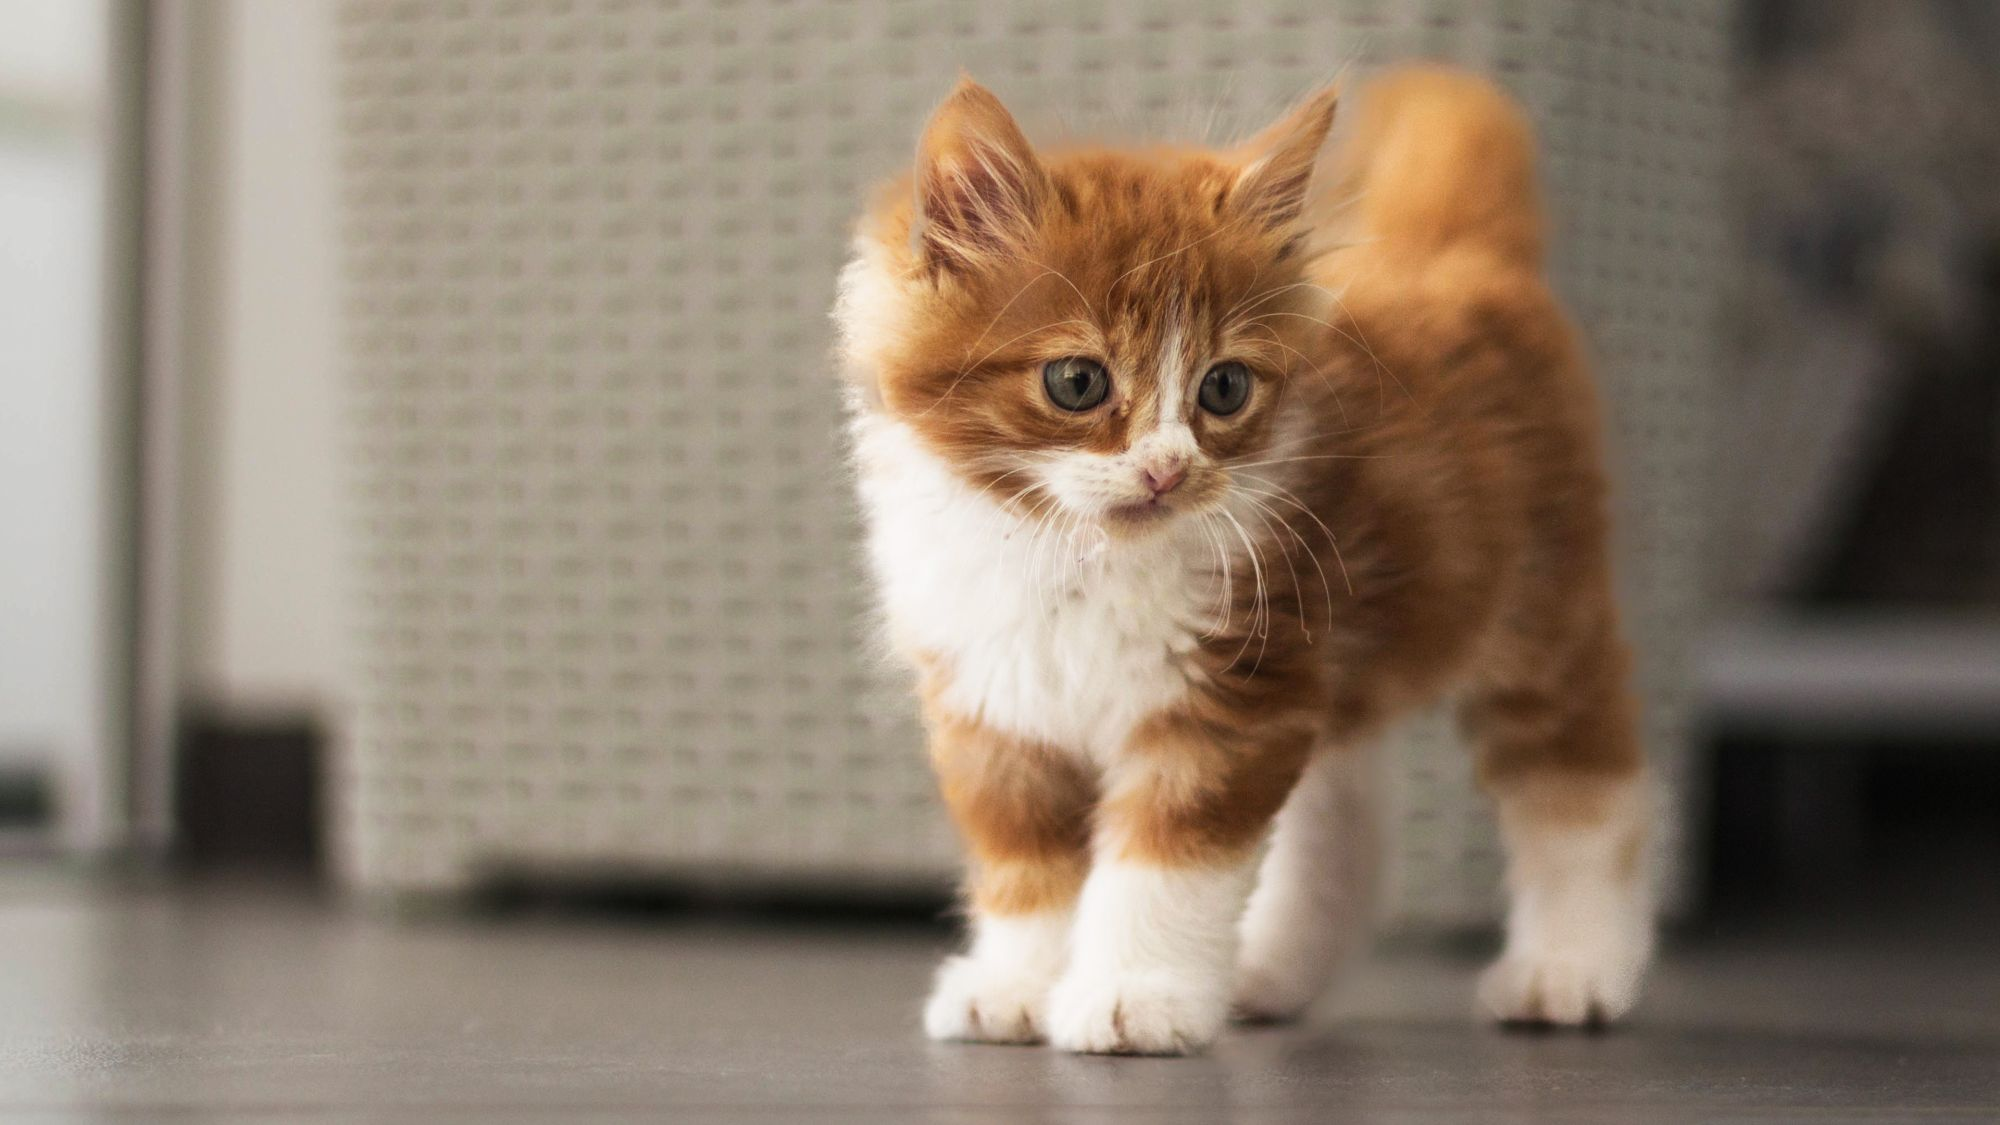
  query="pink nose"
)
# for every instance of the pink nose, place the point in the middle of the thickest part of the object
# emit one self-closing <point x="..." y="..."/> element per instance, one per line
<point x="1163" y="480"/>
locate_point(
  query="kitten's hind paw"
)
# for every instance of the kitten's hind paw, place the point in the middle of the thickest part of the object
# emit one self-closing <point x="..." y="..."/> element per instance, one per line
<point x="1544" y="988"/>
<point x="1264" y="996"/>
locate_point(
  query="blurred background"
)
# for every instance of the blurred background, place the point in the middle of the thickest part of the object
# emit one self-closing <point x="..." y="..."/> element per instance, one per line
<point x="422" y="521"/>
<point x="419" y="457"/>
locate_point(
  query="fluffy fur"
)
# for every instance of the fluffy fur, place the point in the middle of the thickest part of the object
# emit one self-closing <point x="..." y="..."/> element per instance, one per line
<point x="1140" y="625"/>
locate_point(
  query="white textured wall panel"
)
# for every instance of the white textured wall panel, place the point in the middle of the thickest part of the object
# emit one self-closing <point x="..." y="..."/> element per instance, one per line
<point x="612" y="613"/>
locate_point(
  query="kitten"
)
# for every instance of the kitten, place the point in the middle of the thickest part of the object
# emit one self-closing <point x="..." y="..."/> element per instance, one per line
<point x="1180" y="483"/>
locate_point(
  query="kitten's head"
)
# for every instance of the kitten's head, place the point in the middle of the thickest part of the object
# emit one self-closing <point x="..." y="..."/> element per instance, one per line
<point x="1094" y="335"/>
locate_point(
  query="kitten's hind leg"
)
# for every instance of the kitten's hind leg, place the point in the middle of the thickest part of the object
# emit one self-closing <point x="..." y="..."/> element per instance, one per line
<point x="1562" y="762"/>
<point x="1316" y="890"/>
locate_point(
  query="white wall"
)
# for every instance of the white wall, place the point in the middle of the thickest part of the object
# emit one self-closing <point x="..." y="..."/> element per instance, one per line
<point x="56" y="499"/>
<point x="51" y="436"/>
<point x="52" y="47"/>
<point x="262" y="574"/>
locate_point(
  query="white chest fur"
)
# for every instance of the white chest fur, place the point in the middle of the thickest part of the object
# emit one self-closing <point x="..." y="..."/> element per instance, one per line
<point x="1053" y="637"/>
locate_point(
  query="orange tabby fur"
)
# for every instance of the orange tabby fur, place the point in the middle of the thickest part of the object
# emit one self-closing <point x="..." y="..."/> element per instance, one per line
<point x="1442" y="524"/>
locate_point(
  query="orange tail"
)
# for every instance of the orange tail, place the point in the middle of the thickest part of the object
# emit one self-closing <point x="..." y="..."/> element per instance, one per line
<point x="1439" y="158"/>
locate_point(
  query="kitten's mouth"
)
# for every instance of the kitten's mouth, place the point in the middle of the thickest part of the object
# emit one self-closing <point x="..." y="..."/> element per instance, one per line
<point x="1138" y="513"/>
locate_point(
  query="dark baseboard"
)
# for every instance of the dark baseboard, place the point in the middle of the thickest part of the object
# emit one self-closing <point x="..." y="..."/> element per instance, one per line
<point x="248" y="792"/>
<point x="27" y="799"/>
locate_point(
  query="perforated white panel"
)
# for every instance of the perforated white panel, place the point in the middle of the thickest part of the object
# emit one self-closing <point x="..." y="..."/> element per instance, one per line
<point x="612" y="609"/>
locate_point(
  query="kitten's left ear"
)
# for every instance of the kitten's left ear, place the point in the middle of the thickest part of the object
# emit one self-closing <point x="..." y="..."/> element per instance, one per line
<point x="1278" y="162"/>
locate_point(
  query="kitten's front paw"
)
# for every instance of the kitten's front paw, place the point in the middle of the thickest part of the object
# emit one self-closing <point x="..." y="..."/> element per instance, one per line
<point x="1571" y="985"/>
<point x="1133" y="1014"/>
<point x="976" y="1001"/>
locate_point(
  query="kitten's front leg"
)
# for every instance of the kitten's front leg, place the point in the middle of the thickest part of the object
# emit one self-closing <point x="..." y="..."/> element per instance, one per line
<point x="1024" y="811"/>
<point x="1154" y="947"/>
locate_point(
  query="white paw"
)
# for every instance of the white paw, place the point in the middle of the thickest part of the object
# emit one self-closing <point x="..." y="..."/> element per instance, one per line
<point x="1133" y="1014"/>
<point x="1269" y="995"/>
<point x="1586" y="983"/>
<point x="977" y="1001"/>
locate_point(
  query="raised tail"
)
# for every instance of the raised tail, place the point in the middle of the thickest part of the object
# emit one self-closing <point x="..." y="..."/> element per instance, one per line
<point x="1437" y="158"/>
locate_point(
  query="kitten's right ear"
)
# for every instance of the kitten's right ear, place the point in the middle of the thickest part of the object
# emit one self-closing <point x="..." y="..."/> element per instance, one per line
<point x="979" y="186"/>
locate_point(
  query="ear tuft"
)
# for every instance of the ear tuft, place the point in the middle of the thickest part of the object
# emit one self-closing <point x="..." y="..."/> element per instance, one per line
<point x="1278" y="162"/>
<point x="979" y="185"/>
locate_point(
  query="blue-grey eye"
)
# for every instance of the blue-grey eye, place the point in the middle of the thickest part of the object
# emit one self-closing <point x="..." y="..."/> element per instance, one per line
<point x="1075" y="383"/>
<point x="1224" y="389"/>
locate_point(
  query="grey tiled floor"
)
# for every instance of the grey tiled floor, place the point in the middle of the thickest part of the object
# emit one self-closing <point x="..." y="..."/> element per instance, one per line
<point x="172" y="1004"/>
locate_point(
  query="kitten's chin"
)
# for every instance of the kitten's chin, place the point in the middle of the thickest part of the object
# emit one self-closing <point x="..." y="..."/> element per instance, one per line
<point x="1140" y="519"/>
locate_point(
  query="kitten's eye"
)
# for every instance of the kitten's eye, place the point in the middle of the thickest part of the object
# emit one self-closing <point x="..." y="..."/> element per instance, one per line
<point x="1075" y="384"/>
<point x="1224" y="388"/>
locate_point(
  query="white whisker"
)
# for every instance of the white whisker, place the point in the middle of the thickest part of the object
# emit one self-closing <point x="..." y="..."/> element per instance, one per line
<point x="1260" y="617"/>
<point x="1286" y="495"/>
<point x="1311" y="556"/>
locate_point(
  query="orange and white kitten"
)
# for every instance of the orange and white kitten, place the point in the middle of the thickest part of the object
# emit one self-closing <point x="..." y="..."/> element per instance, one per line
<point x="1180" y="484"/>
